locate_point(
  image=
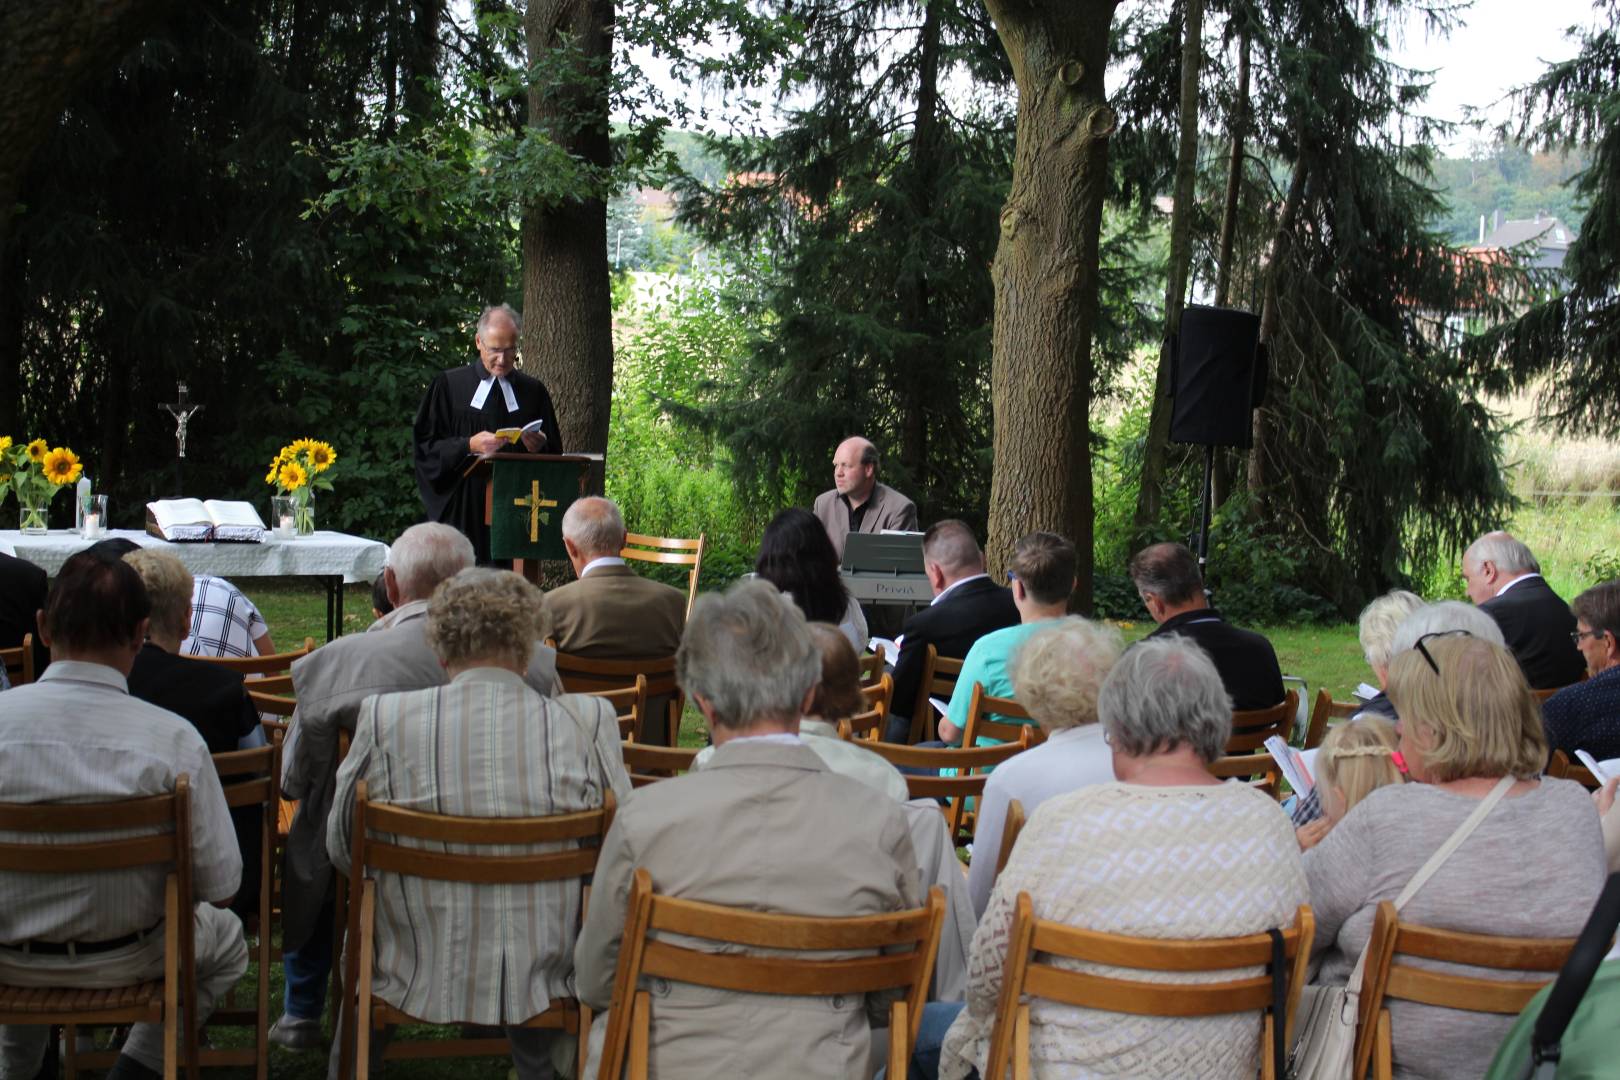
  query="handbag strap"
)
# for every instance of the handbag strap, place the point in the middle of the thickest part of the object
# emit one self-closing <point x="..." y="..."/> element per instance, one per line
<point x="1442" y="853"/>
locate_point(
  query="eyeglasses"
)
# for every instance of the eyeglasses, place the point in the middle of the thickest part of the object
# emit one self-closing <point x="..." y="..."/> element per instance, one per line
<point x="510" y="350"/>
<point x="1576" y="635"/>
<point x="1438" y="633"/>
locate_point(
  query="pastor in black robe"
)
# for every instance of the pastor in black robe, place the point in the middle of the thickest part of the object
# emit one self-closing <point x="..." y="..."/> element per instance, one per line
<point x="444" y="424"/>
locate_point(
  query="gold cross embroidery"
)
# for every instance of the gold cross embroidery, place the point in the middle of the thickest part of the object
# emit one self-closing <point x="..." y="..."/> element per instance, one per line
<point x="534" y="503"/>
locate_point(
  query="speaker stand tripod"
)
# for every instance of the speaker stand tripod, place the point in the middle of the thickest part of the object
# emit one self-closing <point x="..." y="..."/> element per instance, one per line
<point x="1208" y="509"/>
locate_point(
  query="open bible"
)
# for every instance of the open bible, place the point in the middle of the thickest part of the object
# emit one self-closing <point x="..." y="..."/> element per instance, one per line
<point x="182" y="520"/>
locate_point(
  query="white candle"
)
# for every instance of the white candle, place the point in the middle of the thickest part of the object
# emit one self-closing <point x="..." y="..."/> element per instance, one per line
<point x="286" y="524"/>
<point x="92" y="525"/>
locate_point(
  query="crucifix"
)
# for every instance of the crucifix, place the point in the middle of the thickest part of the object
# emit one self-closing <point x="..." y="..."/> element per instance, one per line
<point x="533" y="504"/>
<point x="182" y="411"/>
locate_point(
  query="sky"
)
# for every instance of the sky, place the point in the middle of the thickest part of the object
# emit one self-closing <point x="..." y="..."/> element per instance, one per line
<point x="1502" y="44"/>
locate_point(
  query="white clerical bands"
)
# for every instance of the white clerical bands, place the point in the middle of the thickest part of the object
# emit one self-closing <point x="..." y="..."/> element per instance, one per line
<point x="481" y="395"/>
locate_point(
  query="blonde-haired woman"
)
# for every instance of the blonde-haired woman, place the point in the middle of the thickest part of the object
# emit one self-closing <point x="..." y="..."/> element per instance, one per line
<point x="1532" y="868"/>
<point x="1355" y="759"/>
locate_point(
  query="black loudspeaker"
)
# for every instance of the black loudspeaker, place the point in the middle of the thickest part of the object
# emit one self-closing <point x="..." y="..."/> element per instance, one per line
<point x="1217" y="377"/>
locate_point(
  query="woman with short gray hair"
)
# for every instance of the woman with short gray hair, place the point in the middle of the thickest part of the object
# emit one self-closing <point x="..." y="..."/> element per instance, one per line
<point x="1150" y="855"/>
<point x="1375" y="628"/>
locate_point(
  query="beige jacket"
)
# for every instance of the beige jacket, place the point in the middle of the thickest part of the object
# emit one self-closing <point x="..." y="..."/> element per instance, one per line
<point x="765" y="826"/>
<point x="889" y="510"/>
<point x="613" y="613"/>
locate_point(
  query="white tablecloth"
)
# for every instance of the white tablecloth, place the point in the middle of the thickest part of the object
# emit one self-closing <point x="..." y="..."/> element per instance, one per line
<point x="324" y="554"/>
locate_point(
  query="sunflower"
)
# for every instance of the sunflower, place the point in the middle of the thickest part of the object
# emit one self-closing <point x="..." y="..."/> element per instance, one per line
<point x="301" y="446"/>
<point x="5" y="443"/>
<point x="61" y="466"/>
<point x="36" y="450"/>
<point x="275" y="470"/>
<point x="293" y="476"/>
<point x="321" y="456"/>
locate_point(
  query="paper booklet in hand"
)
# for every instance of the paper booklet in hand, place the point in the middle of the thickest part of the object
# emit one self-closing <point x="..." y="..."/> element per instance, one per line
<point x="191" y="520"/>
<point x="513" y="434"/>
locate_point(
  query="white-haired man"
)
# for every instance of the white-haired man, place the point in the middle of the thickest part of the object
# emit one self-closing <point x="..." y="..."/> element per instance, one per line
<point x="460" y="416"/>
<point x="611" y="612"/>
<point x="1505" y="580"/>
<point x="331" y="683"/>
<point x="760" y="829"/>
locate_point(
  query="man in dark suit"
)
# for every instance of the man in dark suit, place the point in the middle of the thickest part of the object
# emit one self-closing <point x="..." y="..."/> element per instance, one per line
<point x="23" y="588"/>
<point x="1167" y="578"/>
<point x="1505" y="580"/>
<point x="966" y="606"/>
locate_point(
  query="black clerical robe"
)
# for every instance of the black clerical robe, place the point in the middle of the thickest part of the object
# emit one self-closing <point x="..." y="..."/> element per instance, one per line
<point x="445" y="423"/>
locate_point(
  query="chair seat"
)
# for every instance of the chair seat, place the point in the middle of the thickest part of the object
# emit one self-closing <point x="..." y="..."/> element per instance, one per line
<point x="50" y="1000"/>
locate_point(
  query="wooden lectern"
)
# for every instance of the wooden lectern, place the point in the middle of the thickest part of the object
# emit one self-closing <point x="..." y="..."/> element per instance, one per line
<point x="525" y="497"/>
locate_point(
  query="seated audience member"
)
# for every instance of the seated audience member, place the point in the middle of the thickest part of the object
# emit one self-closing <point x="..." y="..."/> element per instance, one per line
<point x="224" y="622"/>
<point x="611" y="612"/>
<point x="796" y="556"/>
<point x="23" y="588"/>
<point x="1586" y="715"/>
<point x="1148" y="856"/>
<point x="1167" y="578"/>
<point x="380" y="604"/>
<point x="77" y="736"/>
<point x="330" y="683"/>
<point x="1376" y="629"/>
<point x="766" y="826"/>
<point x="1042" y="574"/>
<point x="1058" y="674"/>
<point x="967" y="605"/>
<point x="1532" y="868"/>
<point x="1353" y="760"/>
<point x="1505" y="580"/>
<point x="210" y="698"/>
<point x="838" y="697"/>
<point x="1444" y="617"/>
<point x="517" y="754"/>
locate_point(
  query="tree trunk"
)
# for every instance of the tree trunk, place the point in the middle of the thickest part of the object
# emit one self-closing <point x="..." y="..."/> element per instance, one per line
<point x="567" y="335"/>
<point x="1229" y="226"/>
<point x="1045" y="276"/>
<point x="1150" y="494"/>
<point x="914" y="289"/>
<point x="1270" y="315"/>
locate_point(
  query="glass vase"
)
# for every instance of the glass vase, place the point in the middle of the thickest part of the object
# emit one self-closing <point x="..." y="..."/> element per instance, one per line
<point x="32" y="516"/>
<point x="304" y="512"/>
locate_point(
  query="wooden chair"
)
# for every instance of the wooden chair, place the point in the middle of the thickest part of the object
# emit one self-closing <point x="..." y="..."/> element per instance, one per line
<point x="1251" y="729"/>
<point x="1030" y="973"/>
<point x="880" y="694"/>
<point x="1011" y="826"/>
<point x="629" y="1022"/>
<point x="19" y="662"/>
<point x="1543" y="695"/>
<point x="871" y="668"/>
<point x="629" y="705"/>
<point x="866" y="726"/>
<point x="582" y="675"/>
<point x="971" y="766"/>
<point x="275" y="668"/>
<point x="1324" y="710"/>
<point x="160" y="1001"/>
<point x="1389" y="977"/>
<point x="669" y="551"/>
<point x="648" y="764"/>
<point x="982" y="723"/>
<point x="1257" y="770"/>
<point x="1562" y="768"/>
<point x="939" y="676"/>
<point x="436" y="860"/>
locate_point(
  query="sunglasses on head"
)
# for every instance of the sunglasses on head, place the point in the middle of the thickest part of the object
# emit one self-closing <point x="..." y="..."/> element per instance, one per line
<point x="1421" y="648"/>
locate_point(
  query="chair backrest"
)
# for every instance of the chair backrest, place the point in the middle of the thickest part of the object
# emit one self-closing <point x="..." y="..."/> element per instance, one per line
<point x="271" y="664"/>
<point x="1560" y="767"/>
<point x="866" y="726"/>
<point x="983" y="709"/>
<point x="1389" y="976"/>
<point x="1011" y="826"/>
<point x="629" y="705"/>
<point x="1257" y="770"/>
<point x="1251" y="729"/>
<point x="1544" y="694"/>
<point x="669" y="550"/>
<point x="880" y="694"/>
<point x="871" y="668"/>
<point x="1034" y="943"/>
<point x="1324" y="710"/>
<point x="970" y="765"/>
<point x="171" y="848"/>
<point x="647" y="764"/>
<point x="19" y="662"/>
<point x="274" y="704"/>
<point x="939" y="677"/>
<point x="584" y="675"/>
<point x="880" y="936"/>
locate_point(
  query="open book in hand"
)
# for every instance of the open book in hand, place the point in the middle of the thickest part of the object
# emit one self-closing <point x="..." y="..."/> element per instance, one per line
<point x="513" y="434"/>
<point x="182" y="520"/>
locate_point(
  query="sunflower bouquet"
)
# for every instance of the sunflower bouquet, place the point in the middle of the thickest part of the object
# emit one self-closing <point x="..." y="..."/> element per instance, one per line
<point x="36" y="472"/>
<point x="296" y="472"/>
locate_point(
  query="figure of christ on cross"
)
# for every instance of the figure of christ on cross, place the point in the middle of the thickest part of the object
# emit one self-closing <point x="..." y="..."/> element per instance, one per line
<point x="534" y="503"/>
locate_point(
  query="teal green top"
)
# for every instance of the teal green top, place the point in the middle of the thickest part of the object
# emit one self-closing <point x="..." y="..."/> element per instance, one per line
<point x="986" y="663"/>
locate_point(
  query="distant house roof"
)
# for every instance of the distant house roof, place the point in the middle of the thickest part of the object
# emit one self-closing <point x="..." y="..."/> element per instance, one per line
<point x="1550" y="236"/>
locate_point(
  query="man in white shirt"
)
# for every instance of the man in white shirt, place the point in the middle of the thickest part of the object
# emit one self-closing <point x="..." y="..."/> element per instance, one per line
<point x="77" y="736"/>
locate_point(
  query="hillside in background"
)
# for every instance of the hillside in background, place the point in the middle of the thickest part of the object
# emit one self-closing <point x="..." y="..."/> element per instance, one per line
<point x="1508" y="179"/>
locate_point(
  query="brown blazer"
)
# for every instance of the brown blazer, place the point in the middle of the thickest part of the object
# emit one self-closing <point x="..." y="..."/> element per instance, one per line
<point x="613" y="613"/>
<point x="889" y="510"/>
